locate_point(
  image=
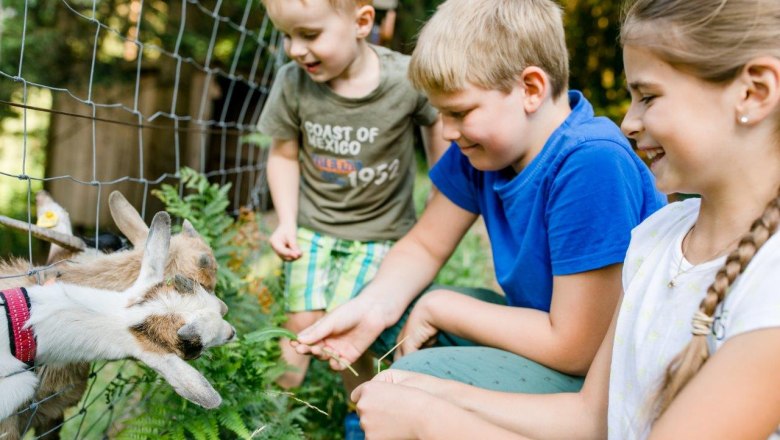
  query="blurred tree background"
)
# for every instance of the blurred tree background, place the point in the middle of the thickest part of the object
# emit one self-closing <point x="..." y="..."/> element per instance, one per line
<point x="592" y="36"/>
<point x="47" y="64"/>
<point x="56" y="51"/>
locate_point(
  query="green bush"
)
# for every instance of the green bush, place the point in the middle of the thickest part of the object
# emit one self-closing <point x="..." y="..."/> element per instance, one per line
<point x="243" y="371"/>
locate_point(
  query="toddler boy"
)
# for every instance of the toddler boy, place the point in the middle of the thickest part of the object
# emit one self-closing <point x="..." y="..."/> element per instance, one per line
<point x="342" y="116"/>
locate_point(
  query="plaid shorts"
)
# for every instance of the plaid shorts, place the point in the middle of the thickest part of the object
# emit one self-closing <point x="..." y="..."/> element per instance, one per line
<point x="331" y="270"/>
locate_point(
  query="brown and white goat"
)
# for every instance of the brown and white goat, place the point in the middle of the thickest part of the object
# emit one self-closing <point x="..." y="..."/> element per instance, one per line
<point x="189" y="255"/>
<point x="155" y="321"/>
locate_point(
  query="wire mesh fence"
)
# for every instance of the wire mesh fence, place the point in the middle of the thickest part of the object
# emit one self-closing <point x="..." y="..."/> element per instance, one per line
<point x="97" y="96"/>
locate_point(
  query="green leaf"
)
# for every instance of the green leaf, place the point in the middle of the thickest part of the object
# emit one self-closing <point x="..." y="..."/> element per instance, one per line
<point x="232" y="421"/>
<point x="269" y="333"/>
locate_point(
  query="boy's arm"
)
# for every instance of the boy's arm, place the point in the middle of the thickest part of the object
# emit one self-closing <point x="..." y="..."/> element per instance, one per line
<point x="407" y="269"/>
<point x="434" y="143"/>
<point x="592" y="204"/>
<point x="565" y="339"/>
<point x="284" y="180"/>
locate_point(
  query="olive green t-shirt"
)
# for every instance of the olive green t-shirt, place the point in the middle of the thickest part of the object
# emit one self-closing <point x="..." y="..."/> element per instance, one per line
<point x="356" y="154"/>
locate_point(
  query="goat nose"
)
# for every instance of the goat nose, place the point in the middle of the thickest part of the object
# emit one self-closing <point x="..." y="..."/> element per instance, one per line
<point x="232" y="334"/>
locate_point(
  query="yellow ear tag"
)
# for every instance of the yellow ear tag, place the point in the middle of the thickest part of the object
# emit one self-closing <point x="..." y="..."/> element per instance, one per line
<point x="49" y="219"/>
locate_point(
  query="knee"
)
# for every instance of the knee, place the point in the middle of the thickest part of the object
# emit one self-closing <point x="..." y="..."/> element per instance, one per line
<point x="422" y="361"/>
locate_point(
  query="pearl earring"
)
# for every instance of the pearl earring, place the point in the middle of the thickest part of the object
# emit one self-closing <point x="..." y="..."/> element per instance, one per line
<point x="744" y="119"/>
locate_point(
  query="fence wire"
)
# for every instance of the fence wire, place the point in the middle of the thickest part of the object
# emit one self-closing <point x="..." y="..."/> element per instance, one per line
<point x="226" y="149"/>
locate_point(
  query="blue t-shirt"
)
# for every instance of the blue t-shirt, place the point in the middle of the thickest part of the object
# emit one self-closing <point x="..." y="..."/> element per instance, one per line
<point x="570" y="210"/>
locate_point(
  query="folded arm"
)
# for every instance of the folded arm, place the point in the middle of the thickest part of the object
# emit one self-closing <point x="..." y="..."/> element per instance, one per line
<point x="565" y="339"/>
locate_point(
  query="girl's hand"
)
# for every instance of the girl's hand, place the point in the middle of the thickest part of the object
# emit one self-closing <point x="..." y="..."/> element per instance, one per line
<point x="420" y="329"/>
<point x="389" y="411"/>
<point x="424" y="382"/>
<point x="284" y="242"/>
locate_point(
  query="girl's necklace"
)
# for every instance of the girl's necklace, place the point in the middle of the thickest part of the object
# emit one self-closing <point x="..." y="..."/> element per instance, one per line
<point x="689" y="236"/>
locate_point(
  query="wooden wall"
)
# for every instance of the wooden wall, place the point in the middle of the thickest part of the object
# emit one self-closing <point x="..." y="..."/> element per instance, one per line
<point x="122" y="150"/>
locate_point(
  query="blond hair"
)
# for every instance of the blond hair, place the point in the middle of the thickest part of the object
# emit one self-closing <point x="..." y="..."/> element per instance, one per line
<point x="488" y="43"/>
<point x="338" y="5"/>
<point x="712" y="40"/>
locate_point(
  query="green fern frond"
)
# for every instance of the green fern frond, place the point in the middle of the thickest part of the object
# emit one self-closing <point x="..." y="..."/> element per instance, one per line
<point x="232" y="421"/>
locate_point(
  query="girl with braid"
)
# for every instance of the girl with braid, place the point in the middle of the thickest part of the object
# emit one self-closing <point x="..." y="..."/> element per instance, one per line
<point x="694" y="350"/>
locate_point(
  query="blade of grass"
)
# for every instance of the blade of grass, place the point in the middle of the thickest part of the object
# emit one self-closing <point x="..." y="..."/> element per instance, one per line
<point x="341" y="361"/>
<point x="379" y="361"/>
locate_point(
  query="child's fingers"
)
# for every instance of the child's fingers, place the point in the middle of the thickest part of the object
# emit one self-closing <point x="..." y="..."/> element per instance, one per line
<point x="384" y="376"/>
<point x="285" y="245"/>
<point x="341" y="363"/>
<point x="400" y="351"/>
<point x="285" y="253"/>
<point x="406" y="343"/>
<point x="409" y="346"/>
<point x="301" y="348"/>
<point x="335" y="365"/>
<point x="415" y="340"/>
<point x="316" y="332"/>
<point x="356" y="393"/>
<point x="314" y="349"/>
<point x="294" y="249"/>
<point x="279" y="247"/>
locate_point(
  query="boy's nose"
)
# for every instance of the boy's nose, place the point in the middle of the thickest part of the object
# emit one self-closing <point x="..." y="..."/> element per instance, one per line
<point x="296" y="48"/>
<point x="449" y="130"/>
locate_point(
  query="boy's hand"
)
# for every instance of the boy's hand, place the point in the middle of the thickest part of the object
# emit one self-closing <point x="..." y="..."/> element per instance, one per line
<point x="285" y="243"/>
<point x="347" y="331"/>
<point x="419" y="330"/>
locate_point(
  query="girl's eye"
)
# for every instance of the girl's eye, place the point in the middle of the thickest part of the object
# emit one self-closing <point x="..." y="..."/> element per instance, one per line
<point x="646" y="98"/>
<point x="309" y="36"/>
<point x="458" y="115"/>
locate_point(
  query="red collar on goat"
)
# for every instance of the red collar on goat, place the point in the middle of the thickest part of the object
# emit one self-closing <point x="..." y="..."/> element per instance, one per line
<point x="17" y="311"/>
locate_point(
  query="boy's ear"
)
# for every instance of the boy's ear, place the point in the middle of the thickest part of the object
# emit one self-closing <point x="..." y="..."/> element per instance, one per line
<point x="536" y="84"/>
<point x="759" y="85"/>
<point x="364" y="20"/>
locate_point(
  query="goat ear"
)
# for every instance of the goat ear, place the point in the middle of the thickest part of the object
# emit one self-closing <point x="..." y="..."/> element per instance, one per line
<point x="189" y="341"/>
<point x="183" y="284"/>
<point x="189" y="230"/>
<point x="127" y="219"/>
<point x="156" y="250"/>
<point x="189" y="331"/>
<point x="185" y="380"/>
